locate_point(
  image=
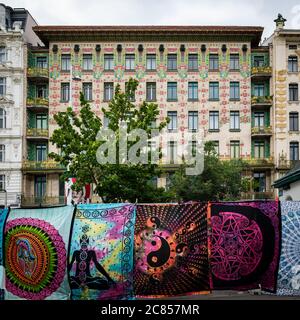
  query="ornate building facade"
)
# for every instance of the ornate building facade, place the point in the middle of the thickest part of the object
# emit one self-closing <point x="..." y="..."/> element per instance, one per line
<point x="15" y="32"/>
<point x="200" y="77"/>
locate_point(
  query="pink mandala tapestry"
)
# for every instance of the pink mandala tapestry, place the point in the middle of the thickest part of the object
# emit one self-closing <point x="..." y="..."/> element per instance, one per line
<point x="245" y="245"/>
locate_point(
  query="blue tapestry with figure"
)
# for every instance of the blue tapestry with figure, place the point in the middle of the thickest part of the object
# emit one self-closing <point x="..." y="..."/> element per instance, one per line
<point x="101" y="252"/>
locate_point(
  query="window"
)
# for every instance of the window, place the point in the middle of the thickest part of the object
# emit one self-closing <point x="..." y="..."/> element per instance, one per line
<point x="258" y="61"/>
<point x="172" y="62"/>
<point x="41" y="62"/>
<point x="293" y="91"/>
<point x="234" y="91"/>
<point x="213" y="62"/>
<point x="87" y="89"/>
<point x="65" y="62"/>
<point x="234" y="62"/>
<point x="172" y="115"/>
<point x="193" y="91"/>
<point x="108" y="91"/>
<point x="213" y="120"/>
<point x="259" y="90"/>
<point x="65" y="92"/>
<point x="2" y="182"/>
<point x="234" y="120"/>
<point x="260" y="182"/>
<point x="87" y="62"/>
<point x="150" y="91"/>
<point x="40" y="186"/>
<point x="129" y="62"/>
<point x="151" y="62"/>
<point x="41" y="152"/>
<point x="293" y="47"/>
<point x="172" y="91"/>
<point x="214" y="91"/>
<point x="108" y="62"/>
<point x="234" y="149"/>
<point x="193" y="148"/>
<point x="294" y="121"/>
<point x="2" y="152"/>
<point x="259" y="149"/>
<point x="193" y="120"/>
<point x="2" y="86"/>
<point x="131" y="93"/>
<point x="172" y="151"/>
<point x="259" y="119"/>
<point x="193" y="62"/>
<point x="293" y="64"/>
<point x="41" y="121"/>
<point x="2" y="54"/>
<point x="41" y="91"/>
<point x="2" y="118"/>
<point x="216" y="146"/>
<point x="294" y="150"/>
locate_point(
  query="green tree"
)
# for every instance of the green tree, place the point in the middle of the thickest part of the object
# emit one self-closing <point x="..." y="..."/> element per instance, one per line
<point x="220" y="180"/>
<point x="76" y="140"/>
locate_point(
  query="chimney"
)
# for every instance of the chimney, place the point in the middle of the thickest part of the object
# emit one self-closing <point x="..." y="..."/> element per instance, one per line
<point x="280" y="22"/>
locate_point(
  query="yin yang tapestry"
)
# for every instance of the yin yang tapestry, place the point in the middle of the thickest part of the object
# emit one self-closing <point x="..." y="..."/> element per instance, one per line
<point x="245" y="245"/>
<point x="36" y="246"/>
<point x="171" y="250"/>
<point x="101" y="252"/>
<point x="3" y="216"/>
<point x="288" y="282"/>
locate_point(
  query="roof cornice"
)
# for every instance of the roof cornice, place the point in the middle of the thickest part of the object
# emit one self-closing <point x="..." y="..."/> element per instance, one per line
<point x="151" y="33"/>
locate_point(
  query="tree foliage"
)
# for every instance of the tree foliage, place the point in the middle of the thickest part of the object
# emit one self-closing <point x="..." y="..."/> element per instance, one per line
<point x="76" y="136"/>
<point x="220" y="180"/>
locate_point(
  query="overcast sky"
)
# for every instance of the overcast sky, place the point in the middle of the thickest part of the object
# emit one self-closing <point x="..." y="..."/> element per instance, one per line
<point x="162" y="12"/>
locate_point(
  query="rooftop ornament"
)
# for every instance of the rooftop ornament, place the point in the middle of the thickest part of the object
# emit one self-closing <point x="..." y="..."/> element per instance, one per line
<point x="280" y="21"/>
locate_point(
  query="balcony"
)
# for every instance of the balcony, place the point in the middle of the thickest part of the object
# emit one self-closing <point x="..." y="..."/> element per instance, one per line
<point x="37" y="102"/>
<point x="284" y="164"/>
<point x="34" y="72"/>
<point x="264" y="71"/>
<point x="261" y="162"/>
<point x="261" y="131"/>
<point x="46" y="201"/>
<point x="257" y="195"/>
<point x="261" y="100"/>
<point x="41" y="166"/>
<point x="37" y="133"/>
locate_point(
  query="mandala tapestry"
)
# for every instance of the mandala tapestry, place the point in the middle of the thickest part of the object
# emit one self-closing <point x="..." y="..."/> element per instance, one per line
<point x="289" y="268"/>
<point x="101" y="253"/>
<point x="245" y="245"/>
<point x="171" y="250"/>
<point x="3" y="216"/>
<point x="36" y="245"/>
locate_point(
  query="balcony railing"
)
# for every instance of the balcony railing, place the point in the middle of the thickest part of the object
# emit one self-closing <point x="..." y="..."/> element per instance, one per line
<point x="46" y="201"/>
<point x="261" y="71"/>
<point x="265" y="130"/>
<point x="261" y="162"/>
<point x="257" y="195"/>
<point x="37" y="102"/>
<point x="284" y="164"/>
<point x="42" y="165"/>
<point x="35" y="132"/>
<point x="261" y="100"/>
<point x="37" y="72"/>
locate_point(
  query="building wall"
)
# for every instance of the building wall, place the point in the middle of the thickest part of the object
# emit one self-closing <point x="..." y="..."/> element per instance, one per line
<point x="291" y="194"/>
<point x="280" y="52"/>
<point x="13" y="103"/>
<point x="161" y="77"/>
